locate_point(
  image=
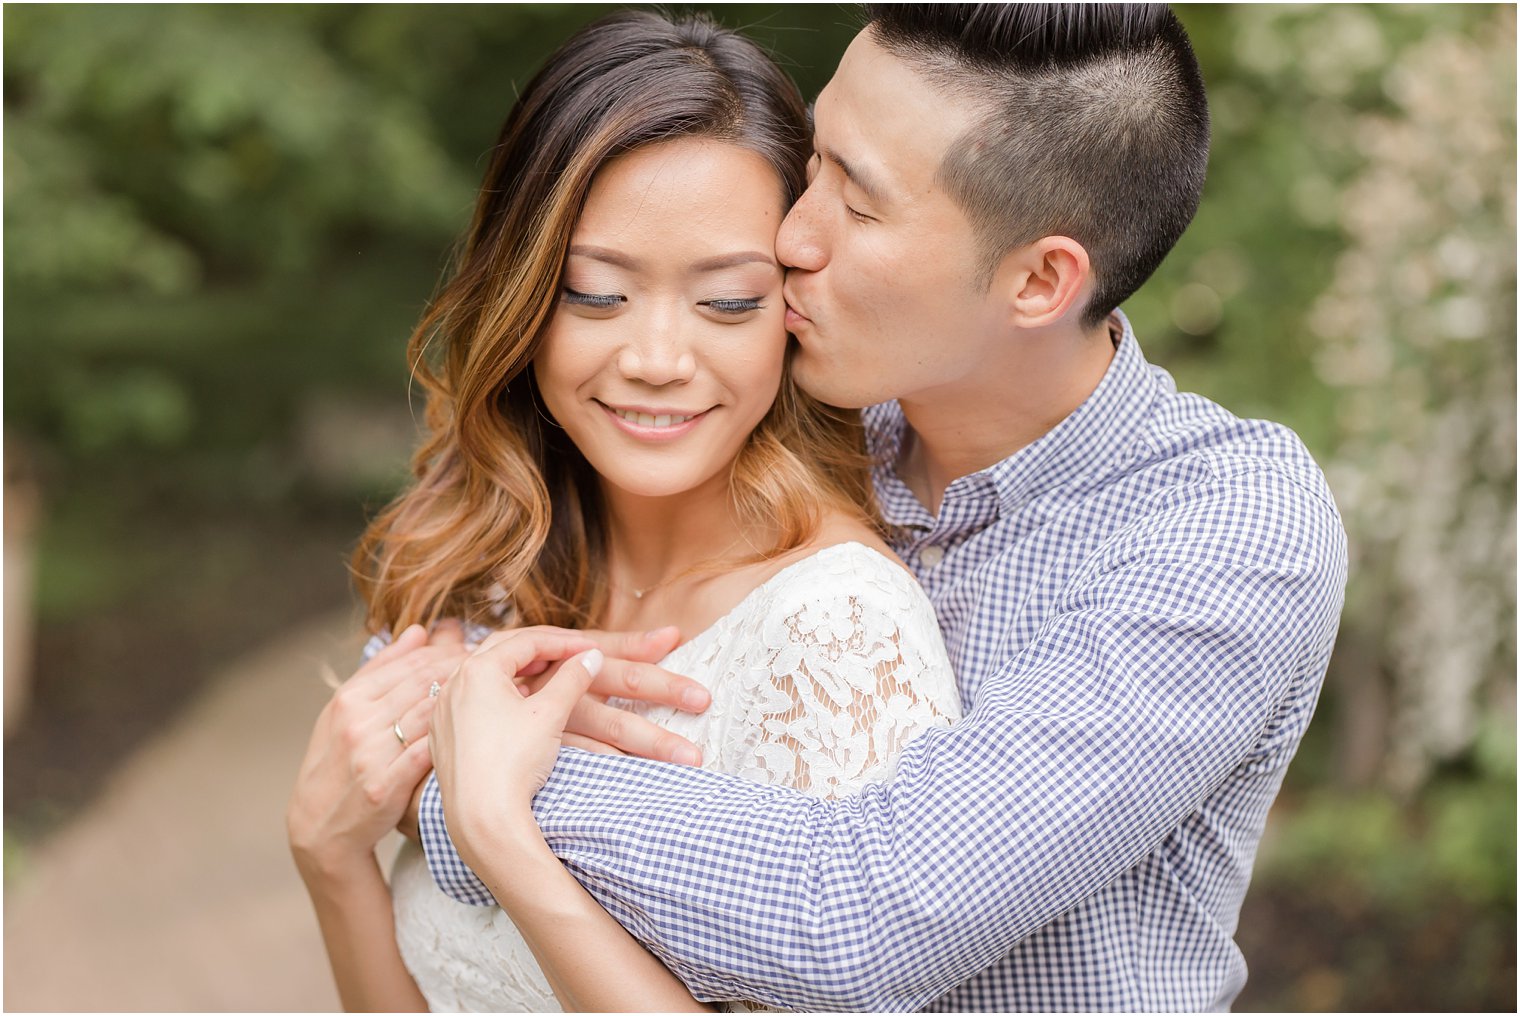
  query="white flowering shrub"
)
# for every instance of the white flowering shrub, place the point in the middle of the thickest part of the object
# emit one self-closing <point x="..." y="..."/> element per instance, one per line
<point x="1416" y="340"/>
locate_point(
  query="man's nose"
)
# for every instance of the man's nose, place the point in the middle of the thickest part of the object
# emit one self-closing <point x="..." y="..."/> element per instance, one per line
<point x="799" y="243"/>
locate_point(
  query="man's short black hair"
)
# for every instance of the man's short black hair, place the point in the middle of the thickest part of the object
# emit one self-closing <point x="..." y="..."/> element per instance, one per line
<point x="1090" y="122"/>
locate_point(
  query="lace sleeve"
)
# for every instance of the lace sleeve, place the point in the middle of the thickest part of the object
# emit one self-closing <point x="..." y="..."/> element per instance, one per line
<point x="853" y="668"/>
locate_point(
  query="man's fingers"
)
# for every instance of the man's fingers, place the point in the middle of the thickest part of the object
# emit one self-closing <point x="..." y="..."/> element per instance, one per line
<point x="411" y="637"/>
<point x="644" y="682"/>
<point x="647" y="646"/>
<point x="644" y="646"/>
<point x="448" y="632"/>
<point x="630" y="733"/>
<point x="496" y="638"/>
<point x="587" y="744"/>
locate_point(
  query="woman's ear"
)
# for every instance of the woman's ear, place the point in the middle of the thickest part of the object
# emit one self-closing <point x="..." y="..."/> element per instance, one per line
<point x="1044" y="281"/>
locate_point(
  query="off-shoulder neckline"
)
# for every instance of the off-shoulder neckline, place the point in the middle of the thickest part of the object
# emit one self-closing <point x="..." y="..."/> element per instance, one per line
<point x="774" y="580"/>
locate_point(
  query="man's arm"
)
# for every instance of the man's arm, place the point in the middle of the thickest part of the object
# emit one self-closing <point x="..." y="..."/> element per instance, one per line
<point x="1151" y="682"/>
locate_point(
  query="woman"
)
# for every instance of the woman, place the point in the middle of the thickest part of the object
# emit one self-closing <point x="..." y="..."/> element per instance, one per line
<point x="616" y="441"/>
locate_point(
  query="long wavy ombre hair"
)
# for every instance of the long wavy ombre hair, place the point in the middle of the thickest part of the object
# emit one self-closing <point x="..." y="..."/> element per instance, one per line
<point x="504" y="510"/>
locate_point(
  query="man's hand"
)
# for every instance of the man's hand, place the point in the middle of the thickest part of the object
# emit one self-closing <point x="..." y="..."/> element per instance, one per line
<point x="629" y="673"/>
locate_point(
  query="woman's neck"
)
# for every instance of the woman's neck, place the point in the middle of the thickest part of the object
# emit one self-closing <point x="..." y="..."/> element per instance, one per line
<point x="652" y="540"/>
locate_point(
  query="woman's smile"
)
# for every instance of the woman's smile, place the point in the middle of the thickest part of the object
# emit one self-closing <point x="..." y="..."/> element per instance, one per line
<point x="652" y="423"/>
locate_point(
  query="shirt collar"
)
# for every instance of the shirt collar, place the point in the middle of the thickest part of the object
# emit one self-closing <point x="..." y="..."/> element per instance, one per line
<point x="1091" y="441"/>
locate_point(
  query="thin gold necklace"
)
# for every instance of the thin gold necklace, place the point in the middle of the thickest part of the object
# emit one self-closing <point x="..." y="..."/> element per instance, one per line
<point x="639" y="592"/>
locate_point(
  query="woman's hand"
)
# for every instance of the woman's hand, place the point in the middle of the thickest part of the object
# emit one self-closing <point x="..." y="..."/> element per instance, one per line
<point x="494" y="745"/>
<point x="357" y="776"/>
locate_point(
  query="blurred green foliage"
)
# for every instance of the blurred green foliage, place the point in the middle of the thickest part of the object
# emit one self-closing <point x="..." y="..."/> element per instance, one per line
<point x="221" y="223"/>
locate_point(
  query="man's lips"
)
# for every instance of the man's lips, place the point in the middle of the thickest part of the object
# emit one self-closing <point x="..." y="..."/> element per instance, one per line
<point x="794" y="315"/>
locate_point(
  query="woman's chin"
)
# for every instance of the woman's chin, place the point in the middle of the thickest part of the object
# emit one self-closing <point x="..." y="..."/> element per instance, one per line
<point x="654" y="486"/>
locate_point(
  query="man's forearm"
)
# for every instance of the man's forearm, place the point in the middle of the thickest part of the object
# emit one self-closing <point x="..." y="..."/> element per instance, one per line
<point x="1084" y="752"/>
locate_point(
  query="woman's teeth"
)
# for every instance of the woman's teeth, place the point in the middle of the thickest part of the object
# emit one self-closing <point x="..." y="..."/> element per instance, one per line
<point x="645" y="420"/>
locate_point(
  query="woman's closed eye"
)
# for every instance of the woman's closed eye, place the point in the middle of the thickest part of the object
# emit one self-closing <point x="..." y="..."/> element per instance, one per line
<point x="599" y="301"/>
<point x="733" y="305"/>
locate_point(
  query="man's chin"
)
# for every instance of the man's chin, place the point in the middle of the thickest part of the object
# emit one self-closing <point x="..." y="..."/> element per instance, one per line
<point x="829" y="382"/>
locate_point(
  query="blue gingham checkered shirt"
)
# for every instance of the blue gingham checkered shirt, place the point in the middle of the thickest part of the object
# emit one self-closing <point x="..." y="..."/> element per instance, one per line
<point x="1139" y="607"/>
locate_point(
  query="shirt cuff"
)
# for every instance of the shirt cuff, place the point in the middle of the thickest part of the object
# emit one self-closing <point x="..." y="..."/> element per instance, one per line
<point x="453" y="876"/>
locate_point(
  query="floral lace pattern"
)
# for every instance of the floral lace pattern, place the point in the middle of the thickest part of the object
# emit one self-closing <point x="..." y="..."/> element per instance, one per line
<point x="819" y="678"/>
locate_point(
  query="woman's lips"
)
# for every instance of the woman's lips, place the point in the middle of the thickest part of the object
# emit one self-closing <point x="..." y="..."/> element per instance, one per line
<point x="652" y="431"/>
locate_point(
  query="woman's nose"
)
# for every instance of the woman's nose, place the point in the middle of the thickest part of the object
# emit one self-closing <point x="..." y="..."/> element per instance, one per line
<point x="661" y="355"/>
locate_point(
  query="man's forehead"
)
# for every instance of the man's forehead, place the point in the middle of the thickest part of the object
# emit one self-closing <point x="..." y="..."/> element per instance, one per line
<point x="880" y="116"/>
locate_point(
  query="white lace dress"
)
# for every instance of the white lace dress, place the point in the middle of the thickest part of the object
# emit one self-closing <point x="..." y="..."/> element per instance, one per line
<point x="819" y="677"/>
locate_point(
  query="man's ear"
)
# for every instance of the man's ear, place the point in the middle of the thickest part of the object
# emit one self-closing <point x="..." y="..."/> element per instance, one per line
<point x="1045" y="281"/>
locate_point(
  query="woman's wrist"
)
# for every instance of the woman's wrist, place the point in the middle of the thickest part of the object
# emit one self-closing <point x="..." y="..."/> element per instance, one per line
<point x="503" y="843"/>
<point x="334" y="872"/>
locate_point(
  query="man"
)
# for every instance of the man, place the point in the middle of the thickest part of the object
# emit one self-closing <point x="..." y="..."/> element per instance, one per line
<point x="1139" y="591"/>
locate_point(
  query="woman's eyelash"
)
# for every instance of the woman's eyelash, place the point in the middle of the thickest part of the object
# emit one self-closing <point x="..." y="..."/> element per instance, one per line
<point x="605" y="302"/>
<point x="735" y="306"/>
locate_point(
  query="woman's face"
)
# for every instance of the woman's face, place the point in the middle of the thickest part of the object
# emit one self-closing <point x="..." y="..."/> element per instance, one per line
<point x="666" y="347"/>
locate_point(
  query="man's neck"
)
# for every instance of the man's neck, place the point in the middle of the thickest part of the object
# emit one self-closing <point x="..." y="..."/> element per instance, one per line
<point x="960" y="429"/>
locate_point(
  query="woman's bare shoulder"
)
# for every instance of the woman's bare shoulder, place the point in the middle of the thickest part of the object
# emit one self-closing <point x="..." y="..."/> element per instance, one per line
<point x="838" y="528"/>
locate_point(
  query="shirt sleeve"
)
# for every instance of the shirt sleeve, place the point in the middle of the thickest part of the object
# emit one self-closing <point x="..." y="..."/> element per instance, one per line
<point x="1156" y="675"/>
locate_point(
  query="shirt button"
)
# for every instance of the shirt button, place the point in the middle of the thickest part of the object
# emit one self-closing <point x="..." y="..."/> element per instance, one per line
<point x="930" y="556"/>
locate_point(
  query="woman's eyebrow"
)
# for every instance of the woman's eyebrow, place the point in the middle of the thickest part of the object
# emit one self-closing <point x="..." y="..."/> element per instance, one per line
<point x="722" y="261"/>
<point x="606" y="254"/>
<point x="712" y="264"/>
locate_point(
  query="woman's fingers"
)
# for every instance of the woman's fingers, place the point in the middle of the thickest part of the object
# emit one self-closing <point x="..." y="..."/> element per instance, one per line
<point x="422" y="665"/>
<point x="522" y="648"/>
<point x="567" y="687"/>
<point x="628" y="733"/>
<point x="412" y="719"/>
<point x="412" y="765"/>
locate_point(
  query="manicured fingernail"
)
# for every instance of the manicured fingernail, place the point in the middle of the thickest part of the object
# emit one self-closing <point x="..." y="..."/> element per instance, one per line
<point x="695" y="699"/>
<point x="592" y="661"/>
<point x="688" y="756"/>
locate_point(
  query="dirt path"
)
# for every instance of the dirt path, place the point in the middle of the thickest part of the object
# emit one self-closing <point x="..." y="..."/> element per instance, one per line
<point x="175" y="890"/>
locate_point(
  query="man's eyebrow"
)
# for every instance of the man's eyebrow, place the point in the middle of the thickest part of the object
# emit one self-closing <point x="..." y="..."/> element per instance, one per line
<point x="863" y="180"/>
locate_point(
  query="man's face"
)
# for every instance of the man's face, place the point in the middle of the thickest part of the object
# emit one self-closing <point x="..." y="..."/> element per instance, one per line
<point x="882" y="287"/>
